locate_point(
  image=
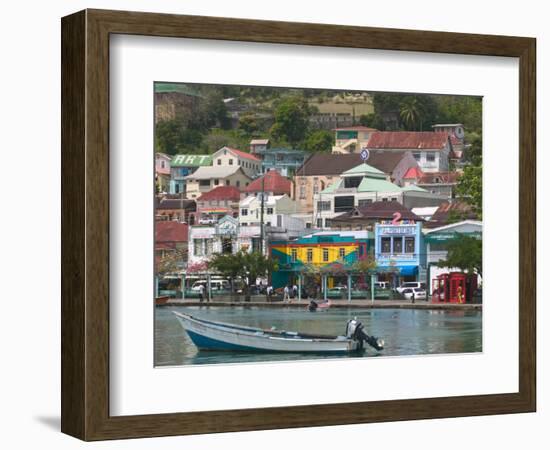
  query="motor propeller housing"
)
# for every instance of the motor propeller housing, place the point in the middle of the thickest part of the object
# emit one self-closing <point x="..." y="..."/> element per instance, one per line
<point x="355" y="330"/>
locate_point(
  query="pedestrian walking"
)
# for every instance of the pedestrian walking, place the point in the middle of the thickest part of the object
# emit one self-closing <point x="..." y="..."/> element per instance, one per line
<point x="294" y="291"/>
<point x="286" y="294"/>
<point x="412" y="296"/>
<point x="269" y="292"/>
<point x="201" y="293"/>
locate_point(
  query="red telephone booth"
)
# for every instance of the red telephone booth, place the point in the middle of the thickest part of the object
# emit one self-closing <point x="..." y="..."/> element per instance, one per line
<point x="453" y="287"/>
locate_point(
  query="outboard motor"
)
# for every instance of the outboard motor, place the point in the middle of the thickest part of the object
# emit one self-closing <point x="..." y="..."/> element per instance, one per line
<point x="356" y="331"/>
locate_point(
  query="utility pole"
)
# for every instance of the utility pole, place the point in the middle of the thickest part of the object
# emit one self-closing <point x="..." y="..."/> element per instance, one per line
<point x="262" y="216"/>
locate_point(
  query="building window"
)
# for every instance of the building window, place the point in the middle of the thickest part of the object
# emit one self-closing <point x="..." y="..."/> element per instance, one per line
<point x="269" y="211"/>
<point x="204" y="183"/>
<point x="430" y="157"/>
<point x="230" y="161"/>
<point x="385" y="199"/>
<point x="279" y="220"/>
<point x="237" y="183"/>
<point x="398" y="245"/>
<point x="315" y="188"/>
<point x="216" y="182"/>
<point x="227" y="182"/>
<point x="162" y="164"/>
<point x="393" y="199"/>
<point x="323" y="205"/>
<point x="244" y="212"/>
<point x="342" y="253"/>
<point x="416" y="155"/>
<point x="309" y="255"/>
<point x="325" y="255"/>
<point x="409" y="245"/>
<point x="302" y="192"/>
<point x="219" y="162"/>
<point x="385" y="244"/>
<point x="364" y="202"/>
<point x="308" y="224"/>
<point x="319" y="223"/>
<point x="294" y="255"/>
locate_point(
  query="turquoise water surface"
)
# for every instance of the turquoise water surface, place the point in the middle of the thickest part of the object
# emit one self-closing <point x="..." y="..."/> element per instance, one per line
<point x="405" y="331"/>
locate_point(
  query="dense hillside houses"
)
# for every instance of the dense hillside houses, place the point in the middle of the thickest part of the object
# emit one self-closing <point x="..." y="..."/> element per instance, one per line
<point x="217" y="203"/>
<point x="171" y="240"/>
<point x="362" y="185"/>
<point x="390" y="198"/>
<point x="430" y="149"/>
<point x="441" y="183"/>
<point x="183" y="165"/>
<point x="351" y="139"/>
<point x="162" y="172"/>
<point x="205" y="179"/>
<point x="232" y="157"/>
<point x="272" y="183"/>
<point x="175" y="207"/>
<point x="319" y="171"/>
<point x="274" y="208"/>
<point x="365" y="217"/>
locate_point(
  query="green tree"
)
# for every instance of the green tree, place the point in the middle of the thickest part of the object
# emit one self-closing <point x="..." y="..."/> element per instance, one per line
<point x="470" y="189"/>
<point x="319" y="141"/>
<point x="464" y="252"/>
<point x="247" y="266"/>
<point x="372" y="120"/>
<point x="410" y="112"/>
<point x="291" y="120"/>
<point x="172" y="137"/>
<point x="248" y="123"/>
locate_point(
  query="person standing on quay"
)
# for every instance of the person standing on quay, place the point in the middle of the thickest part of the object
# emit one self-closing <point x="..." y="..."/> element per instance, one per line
<point x="286" y="294"/>
<point x="201" y="293"/>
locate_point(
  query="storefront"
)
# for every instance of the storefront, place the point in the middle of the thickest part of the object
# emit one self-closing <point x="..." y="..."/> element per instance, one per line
<point x="399" y="252"/>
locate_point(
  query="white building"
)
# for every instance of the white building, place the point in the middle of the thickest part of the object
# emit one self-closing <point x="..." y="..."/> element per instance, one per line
<point x="275" y="208"/>
<point x="232" y="157"/>
<point x="430" y="149"/>
<point x="228" y="236"/>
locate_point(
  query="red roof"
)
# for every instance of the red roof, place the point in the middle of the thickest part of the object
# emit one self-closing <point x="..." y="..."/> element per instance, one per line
<point x="273" y="182"/>
<point x="171" y="231"/>
<point x="408" y="140"/>
<point x="243" y="154"/>
<point x="413" y="172"/>
<point x="439" y="178"/>
<point x="221" y="193"/>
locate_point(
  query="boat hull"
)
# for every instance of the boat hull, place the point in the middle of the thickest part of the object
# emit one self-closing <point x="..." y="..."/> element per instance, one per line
<point x="207" y="335"/>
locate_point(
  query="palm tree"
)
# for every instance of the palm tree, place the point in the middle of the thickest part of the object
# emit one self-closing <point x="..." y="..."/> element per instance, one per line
<point x="410" y="112"/>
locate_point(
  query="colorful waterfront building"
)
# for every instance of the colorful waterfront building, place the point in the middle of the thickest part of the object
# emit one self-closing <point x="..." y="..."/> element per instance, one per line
<point x="400" y="253"/>
<point x="310" y="253"/>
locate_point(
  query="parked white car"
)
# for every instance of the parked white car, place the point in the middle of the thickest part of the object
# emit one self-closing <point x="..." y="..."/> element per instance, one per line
<point x="419" y="293"/>
<point x="411" y="285"/>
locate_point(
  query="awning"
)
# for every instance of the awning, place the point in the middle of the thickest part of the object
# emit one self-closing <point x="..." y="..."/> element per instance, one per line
<point x="404" y="271"/>
<point x="431" y="238"/>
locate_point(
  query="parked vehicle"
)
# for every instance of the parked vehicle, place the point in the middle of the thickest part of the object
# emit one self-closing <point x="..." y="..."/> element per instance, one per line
<point x="411" y="285"/>
<point x="381" y="285"/>
<point x="215" y="285"/>
<point x="419" y="293"/>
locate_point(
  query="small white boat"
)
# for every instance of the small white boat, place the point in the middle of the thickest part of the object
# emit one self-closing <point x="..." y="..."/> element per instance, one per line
<point x="210" y="335"/>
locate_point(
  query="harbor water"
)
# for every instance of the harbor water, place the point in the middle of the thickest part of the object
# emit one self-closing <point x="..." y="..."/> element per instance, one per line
<point x="405" y="331"/>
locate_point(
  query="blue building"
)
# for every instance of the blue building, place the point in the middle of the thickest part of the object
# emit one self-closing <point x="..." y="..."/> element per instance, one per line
<point x="285" y="160"/>
<point x="400" y="252"/>
<point x="183" y="165"/>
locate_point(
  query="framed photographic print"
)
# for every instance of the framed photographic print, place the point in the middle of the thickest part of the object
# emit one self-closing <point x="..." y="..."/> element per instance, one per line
<point x="273" y="225"/>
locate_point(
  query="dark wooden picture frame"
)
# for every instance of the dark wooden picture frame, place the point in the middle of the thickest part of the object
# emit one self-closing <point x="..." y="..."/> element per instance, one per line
<point x="85" y="224"/>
